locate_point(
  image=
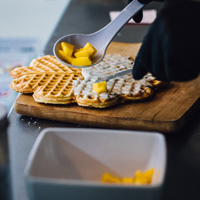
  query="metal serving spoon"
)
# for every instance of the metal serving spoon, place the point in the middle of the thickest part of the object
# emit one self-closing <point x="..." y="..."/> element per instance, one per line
<point x="100" y="39"/>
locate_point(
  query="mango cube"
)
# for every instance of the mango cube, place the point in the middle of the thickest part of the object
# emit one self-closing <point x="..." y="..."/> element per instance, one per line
<point x="107" y="178"/>
<point x="128" y="180"/>
<point x="77" y="57"/>
<point x="144" y="178"/>
<point x="67" y="48"/>
<point x="82" y="53"/>
<point x="140" y="178"/>
<point x="91" y="50"/>
<point x="82" y="61"/>
<point x="77" y="50"/>
<point x="100" y="87"/>
<point x="149" y="174"/>
<point x="67" y="58"/>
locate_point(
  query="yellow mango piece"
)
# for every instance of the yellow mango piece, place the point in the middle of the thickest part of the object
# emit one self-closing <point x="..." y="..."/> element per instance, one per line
<point x="128" y="180"/>
<point x="140" y="178"/>
<point x="107" y="178"/>
<point x="67" y="58"/>
<point x="87" y="45"/>
<point x="77" y="50"/>
<point x="67" y="48"/>
<point x="145" y="177"/>
<point x="149" y="174"/>
<point x="91" y="50"/>
<point x="82" y="61"/>
<point x="82" y="53"/>
<point x="100" y="87"/>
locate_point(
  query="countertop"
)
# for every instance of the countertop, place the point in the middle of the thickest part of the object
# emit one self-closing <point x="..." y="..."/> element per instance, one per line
<point x="183" y="148"/>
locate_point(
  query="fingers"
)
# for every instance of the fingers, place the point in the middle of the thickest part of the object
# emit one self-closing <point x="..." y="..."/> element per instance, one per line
<point x="147" y="1"/>
<point x="169" y="52"/>
<point x="138" y="70"/>
<point x="144" y="1"/>
<point x="138" y="17"/>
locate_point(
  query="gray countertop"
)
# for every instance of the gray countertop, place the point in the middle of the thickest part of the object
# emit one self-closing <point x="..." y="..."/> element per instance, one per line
<point x="183" y="148"/>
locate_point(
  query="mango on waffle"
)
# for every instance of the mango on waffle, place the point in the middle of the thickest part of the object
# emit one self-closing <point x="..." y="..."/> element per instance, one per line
<point x="85" y="96"/>
<point x="114" y="63"/>
<point x="118" y="89"/>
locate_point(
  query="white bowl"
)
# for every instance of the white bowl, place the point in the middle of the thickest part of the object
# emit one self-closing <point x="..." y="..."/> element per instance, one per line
<point x="68" y="163"/>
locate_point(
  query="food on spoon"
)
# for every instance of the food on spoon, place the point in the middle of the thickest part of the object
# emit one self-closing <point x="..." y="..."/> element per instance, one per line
<point x="100" y="87"/>
<point x="82" y="61"/>
<point x="82" y="53"/>
<point x="77" y="57"/>
<point x="67" y="48"/>
<point x="67" y="58"/>
<point x="91" y="50"/>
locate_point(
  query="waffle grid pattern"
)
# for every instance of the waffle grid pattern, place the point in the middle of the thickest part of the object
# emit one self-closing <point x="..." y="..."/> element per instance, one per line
<point x="54" y="83"/>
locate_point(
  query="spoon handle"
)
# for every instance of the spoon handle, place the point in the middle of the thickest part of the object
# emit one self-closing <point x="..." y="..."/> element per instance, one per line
<point x="111" y="29"/>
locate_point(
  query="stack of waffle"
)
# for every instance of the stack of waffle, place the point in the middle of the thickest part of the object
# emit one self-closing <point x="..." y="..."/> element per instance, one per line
<point x="54" y="83"/>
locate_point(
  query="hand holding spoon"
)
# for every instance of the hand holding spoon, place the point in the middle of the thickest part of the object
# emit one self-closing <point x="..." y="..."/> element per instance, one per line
<point x="100" y="39"/>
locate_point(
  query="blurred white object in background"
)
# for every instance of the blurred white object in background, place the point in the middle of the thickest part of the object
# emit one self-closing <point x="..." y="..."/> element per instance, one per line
<point x="26" y="27"/>
<point x="13" y="53"/>
<point x="30" y="19"/>
<point x="148" y="17"/>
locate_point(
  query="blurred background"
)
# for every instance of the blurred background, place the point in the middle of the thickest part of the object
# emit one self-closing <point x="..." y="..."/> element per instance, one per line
<point x="25" y="28"/>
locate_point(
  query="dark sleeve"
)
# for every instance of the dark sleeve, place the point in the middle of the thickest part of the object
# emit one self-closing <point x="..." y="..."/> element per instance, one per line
<point x="171" y="48"/>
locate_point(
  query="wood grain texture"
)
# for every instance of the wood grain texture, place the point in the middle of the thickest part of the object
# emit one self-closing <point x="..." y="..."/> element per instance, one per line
<point x="168" y="111"/>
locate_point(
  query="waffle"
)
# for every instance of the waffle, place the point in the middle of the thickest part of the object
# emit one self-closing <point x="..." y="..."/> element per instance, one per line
<point x="85" y="96"/>
<point x="58" y="90"/>
<point x="156" y="84"/>
<point x="48" y="79"/>
<point x="27" y="84"/>
<point x="118" y="90"/>
<point x="111" y="64"/>
<point x="46" y="64"/>
<point x="114" y="63"/>
<point x="54" y="83"/>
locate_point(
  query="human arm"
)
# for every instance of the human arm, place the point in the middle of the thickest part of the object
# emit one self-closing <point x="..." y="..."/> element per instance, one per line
<point x="171" y="48"/>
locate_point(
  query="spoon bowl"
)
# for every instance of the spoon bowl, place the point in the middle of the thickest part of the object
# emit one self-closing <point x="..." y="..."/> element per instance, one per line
<point x="79" y="41"/>
<point x="100" y="39"/>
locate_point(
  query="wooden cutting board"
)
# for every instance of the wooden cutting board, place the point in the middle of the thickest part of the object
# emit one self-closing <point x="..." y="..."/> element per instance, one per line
<point x="168" y="111"/>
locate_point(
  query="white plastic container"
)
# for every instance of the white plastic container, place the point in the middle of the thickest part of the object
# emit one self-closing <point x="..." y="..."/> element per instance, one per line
<point x="67" y="163"/>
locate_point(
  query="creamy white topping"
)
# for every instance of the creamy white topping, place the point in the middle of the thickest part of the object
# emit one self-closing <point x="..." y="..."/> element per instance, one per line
<point x="111" y="64"/>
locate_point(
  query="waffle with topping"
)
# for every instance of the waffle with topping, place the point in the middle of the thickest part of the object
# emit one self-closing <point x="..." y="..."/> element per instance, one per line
<point x="118" y="89"/>
<point x="54" y="83"/>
